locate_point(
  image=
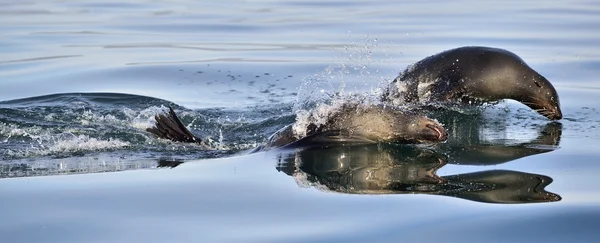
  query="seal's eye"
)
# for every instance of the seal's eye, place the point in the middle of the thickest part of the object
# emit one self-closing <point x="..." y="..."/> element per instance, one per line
<point x="536" y="83"/>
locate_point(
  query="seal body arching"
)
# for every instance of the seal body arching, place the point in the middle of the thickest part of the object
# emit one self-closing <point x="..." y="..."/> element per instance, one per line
<point x="474" y="74"/>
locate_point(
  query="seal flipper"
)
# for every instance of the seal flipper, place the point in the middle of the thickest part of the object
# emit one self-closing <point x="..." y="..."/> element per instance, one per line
<point x="169" y="126"/>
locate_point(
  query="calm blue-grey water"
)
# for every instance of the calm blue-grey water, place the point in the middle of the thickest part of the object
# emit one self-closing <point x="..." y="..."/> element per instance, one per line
<point x="81" y="80"/>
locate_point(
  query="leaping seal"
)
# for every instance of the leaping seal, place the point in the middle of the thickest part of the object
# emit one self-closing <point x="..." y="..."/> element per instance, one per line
<point x="474" y="74"/>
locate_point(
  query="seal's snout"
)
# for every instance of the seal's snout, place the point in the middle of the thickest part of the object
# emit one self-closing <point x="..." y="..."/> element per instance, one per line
<point x="435" y="131"/>
<point x="439" y="131"/>
<point x="549" y="108"/>
<point x="556" y="114"/>
<point x="551" y="112"/>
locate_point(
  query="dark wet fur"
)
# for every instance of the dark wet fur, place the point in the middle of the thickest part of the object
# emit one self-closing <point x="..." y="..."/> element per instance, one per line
<point x="476" y="75"/>
<point x="169" y="126"/>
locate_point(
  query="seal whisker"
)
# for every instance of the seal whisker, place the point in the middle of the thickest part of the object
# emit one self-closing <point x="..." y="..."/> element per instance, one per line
<point x="528" y="103"/>
<point x="536" y="99"/>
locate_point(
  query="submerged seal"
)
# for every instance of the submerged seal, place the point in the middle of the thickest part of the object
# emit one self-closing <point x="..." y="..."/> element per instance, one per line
<point x="351" y="124"/>
<point x="474" y="74"/>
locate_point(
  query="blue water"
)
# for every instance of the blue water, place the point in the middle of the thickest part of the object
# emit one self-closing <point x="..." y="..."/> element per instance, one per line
<point x="81" y="80"/>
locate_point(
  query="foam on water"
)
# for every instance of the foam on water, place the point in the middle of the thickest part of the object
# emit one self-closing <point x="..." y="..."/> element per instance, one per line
<point x="63" y="125"/>
<point x="56" y="145"/>
<point x="317" y="116"/>
<point x="86" y="131"/>
<point x="354" y="78"/>
<point x="144" y="118"/>
<point x="51" y="142"/>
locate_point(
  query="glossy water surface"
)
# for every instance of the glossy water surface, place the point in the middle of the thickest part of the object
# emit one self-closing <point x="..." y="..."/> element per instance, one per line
<point x="81" y="80"/>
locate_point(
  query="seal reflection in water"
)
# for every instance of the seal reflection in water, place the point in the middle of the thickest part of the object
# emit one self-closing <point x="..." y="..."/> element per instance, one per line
<point x="475" y="139"/>
<point x="548" y="140"/>
<point x="389" y="169"/>
<point x="473" y="75"/>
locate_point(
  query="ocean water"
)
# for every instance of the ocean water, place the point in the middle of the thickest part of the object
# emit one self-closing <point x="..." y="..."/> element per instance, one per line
<point x="81" y="80"/>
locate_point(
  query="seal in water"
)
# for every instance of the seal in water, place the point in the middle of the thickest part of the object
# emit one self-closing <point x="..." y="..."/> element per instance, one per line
<point x="474" y="74"/>
<point x="352" y="124"/>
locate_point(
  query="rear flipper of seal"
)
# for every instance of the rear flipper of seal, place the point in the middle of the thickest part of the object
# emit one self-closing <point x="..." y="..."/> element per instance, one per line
<point x="169" y="126"/>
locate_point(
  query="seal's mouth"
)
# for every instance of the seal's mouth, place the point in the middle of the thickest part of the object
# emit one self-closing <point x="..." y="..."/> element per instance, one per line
<point x="549" y="111"/>
<point x="555" y="115"/>
<point x="439" y="132"/>
<point x="424" y="130"/>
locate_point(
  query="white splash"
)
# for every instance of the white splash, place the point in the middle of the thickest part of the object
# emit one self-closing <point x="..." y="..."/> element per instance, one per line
<point x="352" y="79"/>
<point x="65" y="143"/>
<point x="317" y="116"/>
<point x="85" y="143"/>
<point x="88" y="117"/>
<point x="144" y="118"/>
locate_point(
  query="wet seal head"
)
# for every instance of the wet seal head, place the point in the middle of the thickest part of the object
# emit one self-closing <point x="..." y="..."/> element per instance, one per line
<point x="541" y="97"/>
<point x="474" y="74"/>
<point x="420" y="129"/>
<point x="379" y="123"/>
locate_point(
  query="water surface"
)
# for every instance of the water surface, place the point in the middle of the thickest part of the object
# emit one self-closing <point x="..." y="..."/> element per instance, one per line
<point x="81" y="80"/>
